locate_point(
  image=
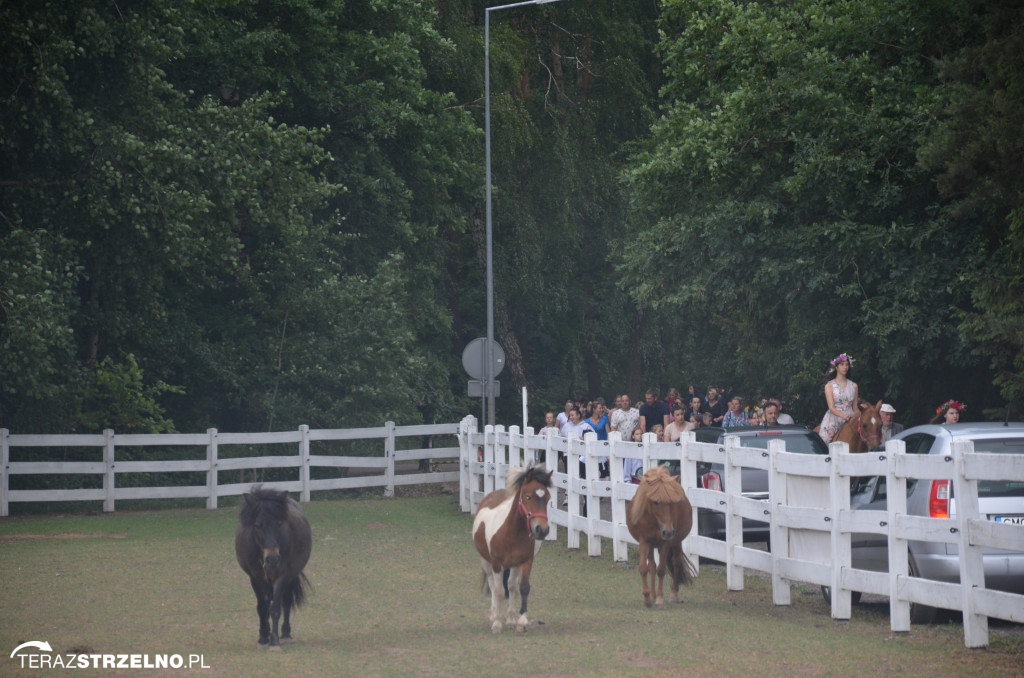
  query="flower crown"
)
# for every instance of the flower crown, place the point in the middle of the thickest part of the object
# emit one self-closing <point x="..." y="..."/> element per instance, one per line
<point x="841" y="358"/>
<point x="950" y="405"/>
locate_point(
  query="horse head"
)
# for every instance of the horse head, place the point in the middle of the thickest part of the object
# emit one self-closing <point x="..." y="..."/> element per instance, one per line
<point x="533" y="490"/>
<point x="869" y="427"/>
<point x="660" y="493"/>
<point x="265" y="514"/>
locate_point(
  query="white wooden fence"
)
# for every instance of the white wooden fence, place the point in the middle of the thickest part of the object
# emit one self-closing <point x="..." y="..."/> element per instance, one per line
<point x="808" y="511"/>
<point x="297" y="447"/>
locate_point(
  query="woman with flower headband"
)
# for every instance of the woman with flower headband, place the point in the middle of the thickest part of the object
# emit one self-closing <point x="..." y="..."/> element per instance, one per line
<point x="948" y="413"/>
<point x="841" y="396"/>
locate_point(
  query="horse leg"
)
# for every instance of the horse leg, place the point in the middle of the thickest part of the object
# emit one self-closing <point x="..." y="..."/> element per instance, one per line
<point x="275" y="615"/>
<point x="511" y="581"/>
<point x="494" y="582"/>
<point x="524" y="592"/>
<point x="659" y="595"/>
<point x="286" y="628"/>
<point x="645" y="567"/>
<point x="262" y="610"/>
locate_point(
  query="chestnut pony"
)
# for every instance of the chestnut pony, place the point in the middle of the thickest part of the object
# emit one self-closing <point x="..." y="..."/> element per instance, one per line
<point x="659" y="517"/>
<point x="508" y="530"/>
<point x="272" y="543"/>
<point x="863" y="432"/>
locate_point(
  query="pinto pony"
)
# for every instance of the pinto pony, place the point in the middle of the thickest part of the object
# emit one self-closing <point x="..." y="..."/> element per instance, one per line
<point x="272" y="543"/>
<point x="508" y="530"/>
<point x="659" y="517"/>
<point x="863" y="432"/>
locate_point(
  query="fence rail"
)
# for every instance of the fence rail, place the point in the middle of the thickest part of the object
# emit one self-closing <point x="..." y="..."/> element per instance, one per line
<point x="809" y="513"/>
<point x="208" y="449"/>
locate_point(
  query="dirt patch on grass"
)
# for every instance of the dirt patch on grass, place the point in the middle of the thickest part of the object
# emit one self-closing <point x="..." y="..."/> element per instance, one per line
<point x="8" y="538"/>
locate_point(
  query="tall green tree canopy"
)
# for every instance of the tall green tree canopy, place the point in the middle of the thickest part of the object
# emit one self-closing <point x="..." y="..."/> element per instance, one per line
<point x="785" y="205"/>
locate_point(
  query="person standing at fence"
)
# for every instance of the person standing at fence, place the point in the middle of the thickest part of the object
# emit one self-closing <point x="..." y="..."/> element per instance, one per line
<point x="715" y="406"/>
<point x="679" y="425"/>
<point x="735" y="416"/>
<point x="889" y="427"/>
<point x="625" y="419"/>
<point x="840" y="395"/>
<point x="598" y="421"/>
<point x="781" y="416"/>
<point x="948" y="413"/>
<point x="631" y="466"/>
<point x="563" y="416"/>
<point x="653" y="411"/>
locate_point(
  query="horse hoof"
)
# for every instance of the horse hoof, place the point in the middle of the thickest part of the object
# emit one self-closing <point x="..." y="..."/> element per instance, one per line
<point x="496" y="627"/>
<point x="647" y="602"/>
<point x="522" y="628"/>
<point x="275" y="648"/>
<point x="659" y="606"/>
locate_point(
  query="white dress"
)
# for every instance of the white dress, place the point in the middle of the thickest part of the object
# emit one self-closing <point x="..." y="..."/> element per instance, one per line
<point x="842" y="399"/>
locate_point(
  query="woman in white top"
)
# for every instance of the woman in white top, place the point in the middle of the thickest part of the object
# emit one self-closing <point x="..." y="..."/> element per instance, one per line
<point x="841" y="396"/>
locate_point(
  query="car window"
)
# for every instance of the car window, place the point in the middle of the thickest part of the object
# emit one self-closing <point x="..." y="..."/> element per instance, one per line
<point x="809" y="443"/>
<point x="1000" y="488"/>
<point x="919" y="443"/>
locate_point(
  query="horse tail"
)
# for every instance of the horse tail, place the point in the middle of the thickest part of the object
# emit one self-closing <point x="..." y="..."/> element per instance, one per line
<point x="682" y="569"/>
<point x="299" y="588"/>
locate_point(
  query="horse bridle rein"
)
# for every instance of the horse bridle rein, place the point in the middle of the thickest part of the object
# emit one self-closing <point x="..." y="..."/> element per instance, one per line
<point x="528" y="515"/>
<point x="860" y="432"/>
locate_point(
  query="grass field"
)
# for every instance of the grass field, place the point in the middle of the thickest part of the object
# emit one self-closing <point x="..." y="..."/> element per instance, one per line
<point x="396" y="592"/>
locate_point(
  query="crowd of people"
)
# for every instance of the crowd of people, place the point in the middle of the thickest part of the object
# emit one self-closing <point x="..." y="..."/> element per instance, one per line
<point x="669" y="417"/>
<point x="675" y="414"/>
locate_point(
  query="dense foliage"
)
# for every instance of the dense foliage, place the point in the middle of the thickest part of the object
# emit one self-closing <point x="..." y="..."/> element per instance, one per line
<point x="252" y="214"/>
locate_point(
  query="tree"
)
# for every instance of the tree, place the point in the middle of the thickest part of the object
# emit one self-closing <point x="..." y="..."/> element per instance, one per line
<point x="784" y="180"/>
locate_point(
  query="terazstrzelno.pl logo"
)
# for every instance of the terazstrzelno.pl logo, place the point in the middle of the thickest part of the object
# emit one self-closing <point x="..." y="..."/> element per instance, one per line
<point x="39" y="655"/>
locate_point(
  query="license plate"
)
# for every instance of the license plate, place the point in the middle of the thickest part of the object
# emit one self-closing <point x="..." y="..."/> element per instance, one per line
<point x="1015" y="520"/>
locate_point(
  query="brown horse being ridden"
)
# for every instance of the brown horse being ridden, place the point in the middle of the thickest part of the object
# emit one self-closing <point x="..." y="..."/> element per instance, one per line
<point x="508" y="530"/>
<point x="864" y="432"/>
<point x="659" y="517"/>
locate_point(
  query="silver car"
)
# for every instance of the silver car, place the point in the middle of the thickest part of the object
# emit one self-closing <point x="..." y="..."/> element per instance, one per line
<point x="998" y="500"/>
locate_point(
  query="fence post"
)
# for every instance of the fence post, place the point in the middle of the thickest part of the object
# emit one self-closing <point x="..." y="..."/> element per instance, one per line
<point x="551" y="464"/>
<point x="591" y="447"/>
<point x="842" y="551"/>
<point x="466" y="458"/>
<point x="899" y="553"/>
<point x="572" y="492"/>
<point x="620" y="547"/>
<point x="782" y="593"/>
<point x="108" y="477"/>
<point x="211" y="474"/>
<point x="733" y="521"/>
<point x="972" y="567"/>
<point x="389" y="457"/>
<point x="304" y="462"/>
<point x="5" y="471"/>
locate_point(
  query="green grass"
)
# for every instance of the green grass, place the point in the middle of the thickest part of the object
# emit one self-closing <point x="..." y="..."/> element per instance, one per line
<point x="396" y="592"/>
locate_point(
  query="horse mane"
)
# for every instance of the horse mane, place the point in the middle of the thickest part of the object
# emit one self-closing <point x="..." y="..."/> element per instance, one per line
<point x="538" y="473"/>
<point x="272" y="504"/>
<point x="657" y="485"/>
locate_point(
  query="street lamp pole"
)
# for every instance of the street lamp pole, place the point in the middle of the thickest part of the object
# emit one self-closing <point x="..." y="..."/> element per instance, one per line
<point x="489" y="348"/>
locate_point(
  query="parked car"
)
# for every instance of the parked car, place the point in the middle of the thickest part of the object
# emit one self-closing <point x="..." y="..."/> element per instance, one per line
<point x="1001" y="501"/>
<point x="798" y="439"/>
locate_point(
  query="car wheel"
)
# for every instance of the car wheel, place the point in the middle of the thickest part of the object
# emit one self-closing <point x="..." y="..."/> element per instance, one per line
<point x="826" y="593"/>
<point x="920" y="614"/>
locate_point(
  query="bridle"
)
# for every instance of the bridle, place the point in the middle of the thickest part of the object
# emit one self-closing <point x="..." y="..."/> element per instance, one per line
<point x="528" y="515"/>
<point x="860" y="432"/>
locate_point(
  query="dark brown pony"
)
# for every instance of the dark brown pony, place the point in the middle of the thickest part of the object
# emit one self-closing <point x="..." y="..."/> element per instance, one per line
<point x="864" y="432"/>
<point x="659" y="517"/>
<point x="508" y="530"/>
<point x="272" y="543"/>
